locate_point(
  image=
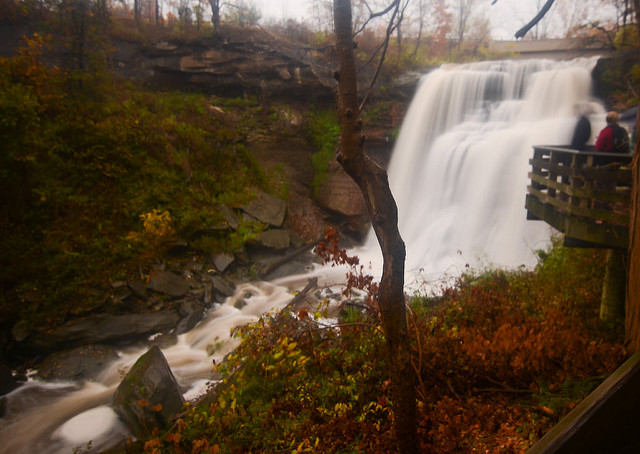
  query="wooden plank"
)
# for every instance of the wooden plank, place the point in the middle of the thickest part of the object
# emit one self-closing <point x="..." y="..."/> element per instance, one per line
<point x="583" y="229"/>
<point x="620" y="195"/>
<point x="607" y="420"/>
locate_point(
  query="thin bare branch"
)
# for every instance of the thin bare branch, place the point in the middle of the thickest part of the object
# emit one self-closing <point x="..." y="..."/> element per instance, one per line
<point x="523" y="31"/>
<point x="391" y="28"/>
<point x="375" y="15"/>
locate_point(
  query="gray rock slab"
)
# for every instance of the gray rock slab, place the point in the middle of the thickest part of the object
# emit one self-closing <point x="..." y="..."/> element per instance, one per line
<point x="222" y="261"/>
<point x="222" y="286"/>
<point x="168" y="283"/>
<point x="82" y="363"/>
<point x="102" y="328"/>
<point x="267" y="208"/>
<point x="277" y="239"/>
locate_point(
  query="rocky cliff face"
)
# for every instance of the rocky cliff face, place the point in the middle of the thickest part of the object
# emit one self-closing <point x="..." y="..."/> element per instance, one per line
<point x="244" y="62"/>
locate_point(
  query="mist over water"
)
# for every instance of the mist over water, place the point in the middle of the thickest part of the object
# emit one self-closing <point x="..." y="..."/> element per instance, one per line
<point x="459" y="175"/>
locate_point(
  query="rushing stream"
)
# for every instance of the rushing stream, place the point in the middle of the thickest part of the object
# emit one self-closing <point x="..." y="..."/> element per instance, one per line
<point x="459" y="175"/>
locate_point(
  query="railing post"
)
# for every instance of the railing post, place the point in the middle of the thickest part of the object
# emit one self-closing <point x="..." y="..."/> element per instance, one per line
<point x="553" y="176"/>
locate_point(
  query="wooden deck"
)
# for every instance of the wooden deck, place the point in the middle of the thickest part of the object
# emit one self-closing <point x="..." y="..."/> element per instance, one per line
<point x="585" y="195"/>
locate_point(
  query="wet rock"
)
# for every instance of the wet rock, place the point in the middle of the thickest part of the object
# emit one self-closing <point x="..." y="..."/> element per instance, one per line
<point x="341" y="194"/>
<point x="222" y="286"/>
<point x="82" y="363"/>
<point x="267" y="208"/>
<point x="230" y="216"/>
<point x="167" y="282"/>
<point x="277" y="239"/>
<point x="194" y="265"/>
<point x="222" y="261"/>
<point x="121" y="293"/>
<point x="149" y="395"/>
<point x="100" y="329"/>
<point x="240" y="304"/>
<point x="138" y="287"/>
<point x="20" y="331"/>
<point x="189" y="322"/>
<point x="207" y="297"/>
<point x="178" y="247"/>
<point x="7" y="381"/>
<point x="163" y="340"/>
<point x="191" y="313"/>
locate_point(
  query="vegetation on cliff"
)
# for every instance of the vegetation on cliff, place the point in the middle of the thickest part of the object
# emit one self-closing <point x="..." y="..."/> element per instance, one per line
<point x="100" y="177"/>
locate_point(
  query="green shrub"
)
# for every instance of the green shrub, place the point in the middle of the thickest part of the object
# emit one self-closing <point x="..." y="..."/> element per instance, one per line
<point x="84" y="161"/>
<point x="325" y="134"/>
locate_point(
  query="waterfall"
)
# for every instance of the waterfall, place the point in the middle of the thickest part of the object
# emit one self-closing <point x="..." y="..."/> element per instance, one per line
<point x="459" y="169"/>
<point x="459" y="176"/>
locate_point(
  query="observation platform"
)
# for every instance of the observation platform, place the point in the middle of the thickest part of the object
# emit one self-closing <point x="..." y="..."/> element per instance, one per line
<point x="584" y="194"/>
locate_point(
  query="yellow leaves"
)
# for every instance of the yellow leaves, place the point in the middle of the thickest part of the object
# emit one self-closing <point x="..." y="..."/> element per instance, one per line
<point x="157" y="223"/>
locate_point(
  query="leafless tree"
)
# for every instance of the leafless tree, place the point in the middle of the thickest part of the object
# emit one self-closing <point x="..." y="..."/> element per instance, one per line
<point x="383" y="212"/>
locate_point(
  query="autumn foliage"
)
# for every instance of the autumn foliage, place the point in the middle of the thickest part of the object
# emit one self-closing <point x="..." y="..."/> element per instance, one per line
<point x="500" y="357"/>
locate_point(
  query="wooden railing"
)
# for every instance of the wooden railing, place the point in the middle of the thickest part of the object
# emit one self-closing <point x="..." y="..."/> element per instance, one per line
<point x="585" y="195"/>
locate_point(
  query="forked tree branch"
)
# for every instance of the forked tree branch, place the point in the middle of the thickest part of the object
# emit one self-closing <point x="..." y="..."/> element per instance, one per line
<point x="391" y="28"/>
<point x="545" y="9"/>
<point x="373" y="15"/>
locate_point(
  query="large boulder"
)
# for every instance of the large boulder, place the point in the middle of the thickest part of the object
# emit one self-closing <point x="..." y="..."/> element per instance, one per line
<point x="267" y="208"/>
<point x="82" y="363"/>
<point x="339" y="193"/>
<point x="167" y="282"/>
<point x="277" y="239"/>
<point x="101" y="329"/>
<point x="148" y="396"/>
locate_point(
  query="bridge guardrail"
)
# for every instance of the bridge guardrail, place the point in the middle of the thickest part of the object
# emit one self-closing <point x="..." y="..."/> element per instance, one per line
<point x="584" y="194"/>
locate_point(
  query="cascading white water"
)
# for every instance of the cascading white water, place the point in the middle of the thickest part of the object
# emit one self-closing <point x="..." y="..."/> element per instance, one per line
<point x="459" y="169"/>
<point x="459" y="175"/>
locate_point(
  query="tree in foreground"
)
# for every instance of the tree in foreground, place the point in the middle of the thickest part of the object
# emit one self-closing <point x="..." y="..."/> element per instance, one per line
<point x="372" y="181"/>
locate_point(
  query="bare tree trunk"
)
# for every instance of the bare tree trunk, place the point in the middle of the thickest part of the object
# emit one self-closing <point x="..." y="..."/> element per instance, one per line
<point x="383" y="212"/>
<point x="136" y="11"/>
<point x="79" y="21"/>
<point x="215" y="14"/>
<point x="399" y="37"/>
<point x="418" y="39"/>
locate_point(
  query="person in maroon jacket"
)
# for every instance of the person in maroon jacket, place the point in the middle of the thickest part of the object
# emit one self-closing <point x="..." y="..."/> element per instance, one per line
<point x="613" y="138"/>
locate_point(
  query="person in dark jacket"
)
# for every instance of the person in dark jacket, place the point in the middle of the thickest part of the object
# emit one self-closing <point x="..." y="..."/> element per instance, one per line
<point x="581" y="133"/>
<point x="613" y="138"/>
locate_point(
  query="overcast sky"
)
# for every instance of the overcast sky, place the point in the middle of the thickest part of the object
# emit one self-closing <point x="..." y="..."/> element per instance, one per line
<point x="506" y="16"/>
<point x="279" y="9"/>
